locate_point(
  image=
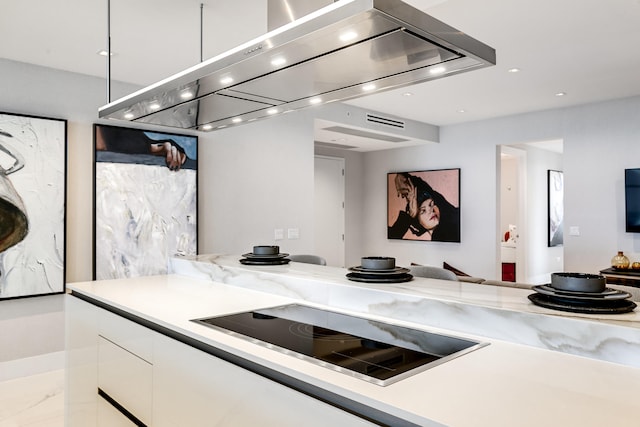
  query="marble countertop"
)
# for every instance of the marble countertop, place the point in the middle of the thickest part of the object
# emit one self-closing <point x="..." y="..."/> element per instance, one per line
<point x="502" y="384"/>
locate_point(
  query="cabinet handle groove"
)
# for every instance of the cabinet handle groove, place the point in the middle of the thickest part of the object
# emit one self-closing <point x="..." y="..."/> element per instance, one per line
<point x="120" y="408"/>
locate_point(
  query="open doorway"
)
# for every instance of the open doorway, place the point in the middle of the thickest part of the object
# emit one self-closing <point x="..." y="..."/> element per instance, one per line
<point x="513" y="213"/>
<point x="524" y="250"/>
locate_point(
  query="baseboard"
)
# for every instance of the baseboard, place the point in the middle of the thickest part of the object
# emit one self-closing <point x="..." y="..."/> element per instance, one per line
<point x="32" y="365"/>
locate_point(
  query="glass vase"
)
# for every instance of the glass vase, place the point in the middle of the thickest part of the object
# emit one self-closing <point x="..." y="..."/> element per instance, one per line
<point x="620" y="261"/>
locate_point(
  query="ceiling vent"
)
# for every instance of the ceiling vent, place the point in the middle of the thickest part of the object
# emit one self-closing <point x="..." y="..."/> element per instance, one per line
<point x="365" y="134"/>
<point x="385" y="121"/>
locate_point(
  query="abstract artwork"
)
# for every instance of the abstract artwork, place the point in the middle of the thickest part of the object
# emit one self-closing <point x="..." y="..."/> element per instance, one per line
<point x="555" y="202"/>
<point x="424" y="205"/>
<point x="146" y="201"/>
<point x="33" y="152"/>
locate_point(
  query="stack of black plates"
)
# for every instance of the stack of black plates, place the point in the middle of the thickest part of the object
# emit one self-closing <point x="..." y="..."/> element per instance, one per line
<point x="581" y="293"/>
<point x="265" y="255"/>
<point x="379" y="270"/>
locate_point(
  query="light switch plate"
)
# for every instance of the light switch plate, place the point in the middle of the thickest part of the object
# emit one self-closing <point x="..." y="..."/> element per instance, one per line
<point x="574" y="231"/>
<point x="278" y="234"/>
<point x="293" y="233"/>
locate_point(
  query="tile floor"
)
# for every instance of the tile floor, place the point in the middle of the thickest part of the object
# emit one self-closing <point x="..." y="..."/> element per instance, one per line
<point x="33" y="401"/>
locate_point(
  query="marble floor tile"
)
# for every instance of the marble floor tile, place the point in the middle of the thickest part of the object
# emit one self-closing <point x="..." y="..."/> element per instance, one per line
<point x="33" y="401"/>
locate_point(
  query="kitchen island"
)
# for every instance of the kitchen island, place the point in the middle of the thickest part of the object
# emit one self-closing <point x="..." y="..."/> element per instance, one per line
<point x="188" y="367"/>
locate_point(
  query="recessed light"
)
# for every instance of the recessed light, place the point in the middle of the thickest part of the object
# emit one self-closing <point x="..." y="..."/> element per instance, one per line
<point x="128" y="115"/>
<point x="279" y="61"/>
<point x="272" y="111"/>
<point x="561" y="94"/>
<point x="513" y="70"/>
<point x="437" y="70"/>
<point x="236" y="119"/>
<point x="186" y="94"/>
<point x="368" y="87"/>
<point x="315" y="100"/>
<point x="407" y="94"/>
<point x="154" y="106"/>
<point x="462" y="110"/>
<point x="226" y="80"/>
<point x="348" y="36"/>
<point x="103" y="52"/>
<point x="207" y="127"/>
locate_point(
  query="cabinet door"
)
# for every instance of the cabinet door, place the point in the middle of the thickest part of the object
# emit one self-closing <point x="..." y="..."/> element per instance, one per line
<point x="126" y="378"/>
<point x="193" y="388"/>
<point x="81" y="381"/>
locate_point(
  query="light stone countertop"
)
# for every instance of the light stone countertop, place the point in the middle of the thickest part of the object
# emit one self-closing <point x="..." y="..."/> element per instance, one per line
<point x="502" y="384"/>
<point x="492" y="311"/>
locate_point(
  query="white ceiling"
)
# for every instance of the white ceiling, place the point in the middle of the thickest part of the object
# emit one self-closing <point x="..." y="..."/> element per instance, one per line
<point x="588" y="49"/>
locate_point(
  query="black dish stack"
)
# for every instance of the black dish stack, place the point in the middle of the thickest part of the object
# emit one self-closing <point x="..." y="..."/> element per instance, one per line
<point x="265" y="255"/>
<point x="376" y="269"/>
<point x="581" y="293"/>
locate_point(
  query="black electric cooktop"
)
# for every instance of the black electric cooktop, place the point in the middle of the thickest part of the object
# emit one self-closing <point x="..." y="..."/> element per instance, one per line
<point x="374" y="351"/>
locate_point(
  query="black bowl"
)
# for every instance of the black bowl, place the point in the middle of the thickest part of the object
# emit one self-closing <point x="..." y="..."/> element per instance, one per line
<point x="266" y="250"/>
<point x="578" y="282"/>
<point x="378" y="263"/>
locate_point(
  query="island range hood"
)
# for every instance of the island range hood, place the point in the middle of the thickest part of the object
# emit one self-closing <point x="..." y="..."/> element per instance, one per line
<point x="347" y="49"/>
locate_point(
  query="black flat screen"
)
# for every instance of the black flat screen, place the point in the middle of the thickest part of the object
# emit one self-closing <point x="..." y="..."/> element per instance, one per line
<point x="632" y="199"/>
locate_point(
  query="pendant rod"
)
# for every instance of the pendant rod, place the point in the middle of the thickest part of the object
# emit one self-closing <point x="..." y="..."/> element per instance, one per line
<point x="108" y="51"/>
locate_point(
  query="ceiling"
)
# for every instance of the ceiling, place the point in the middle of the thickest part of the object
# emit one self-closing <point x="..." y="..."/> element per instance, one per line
<point x="586" y="49"/>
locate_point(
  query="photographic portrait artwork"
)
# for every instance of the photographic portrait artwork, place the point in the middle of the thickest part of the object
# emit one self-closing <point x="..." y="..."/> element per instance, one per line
<point x="555" y="203"/>
<point x="424" y="205"/>
<point x="146" y="201"/>
<point x="33" y="152"/>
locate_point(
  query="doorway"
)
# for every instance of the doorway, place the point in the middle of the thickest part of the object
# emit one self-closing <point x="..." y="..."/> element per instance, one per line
<point x="329" y="221"/>
<point x="527" y="191"/>
<point x="513" y="219"/>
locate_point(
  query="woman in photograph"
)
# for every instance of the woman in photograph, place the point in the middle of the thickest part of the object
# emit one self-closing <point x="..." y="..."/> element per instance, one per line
<point x="427" y="215"/>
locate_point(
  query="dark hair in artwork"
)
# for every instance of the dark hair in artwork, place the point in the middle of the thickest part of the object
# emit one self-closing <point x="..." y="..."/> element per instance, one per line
<point x="448" y="229"/>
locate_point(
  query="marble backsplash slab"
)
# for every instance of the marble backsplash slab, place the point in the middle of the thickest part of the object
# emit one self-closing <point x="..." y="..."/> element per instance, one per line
<point x="477" y="310"/>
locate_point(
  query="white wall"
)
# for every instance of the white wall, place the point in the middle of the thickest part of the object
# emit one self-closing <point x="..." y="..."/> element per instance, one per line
<point x="33" y="327"/>
<point x="600" y="141"/>
<point x="509" y="193"/>
<point x="253" y="179"/>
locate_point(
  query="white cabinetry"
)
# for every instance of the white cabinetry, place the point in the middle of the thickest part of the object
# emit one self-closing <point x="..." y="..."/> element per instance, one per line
<point x="166" y="383"/>
<point x="193" y="389"/>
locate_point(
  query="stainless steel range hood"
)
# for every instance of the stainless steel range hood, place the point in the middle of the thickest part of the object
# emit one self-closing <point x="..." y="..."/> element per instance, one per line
<point x="345" y="50"/>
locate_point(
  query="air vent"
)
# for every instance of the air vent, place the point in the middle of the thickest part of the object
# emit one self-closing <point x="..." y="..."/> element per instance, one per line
<point x="399" y="124"/>
<point x="364" y="134"/>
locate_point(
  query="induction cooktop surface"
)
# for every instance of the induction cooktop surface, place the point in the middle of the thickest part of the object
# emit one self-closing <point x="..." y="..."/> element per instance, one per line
<point x="378" y="352"/>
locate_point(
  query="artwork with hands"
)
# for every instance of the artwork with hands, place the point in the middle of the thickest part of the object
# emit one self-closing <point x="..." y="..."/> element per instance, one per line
<point x="424" y="205"/>
<point x="145" y="201"/>
<point x="32" y="205"/>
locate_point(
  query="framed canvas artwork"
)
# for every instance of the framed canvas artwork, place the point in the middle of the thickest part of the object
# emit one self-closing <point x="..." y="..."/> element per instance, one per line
<point x="555" y="203"/>
<point x="424" y="205"/>
<point x="33" y="169"/>
<point x="146" y="200"/>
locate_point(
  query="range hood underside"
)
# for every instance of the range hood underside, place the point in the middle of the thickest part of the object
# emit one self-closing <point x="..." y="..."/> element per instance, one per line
<point x="306" y="63"/>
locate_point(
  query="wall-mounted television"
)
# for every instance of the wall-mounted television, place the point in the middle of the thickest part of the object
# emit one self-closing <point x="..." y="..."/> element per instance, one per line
<point x="632" y="199"/>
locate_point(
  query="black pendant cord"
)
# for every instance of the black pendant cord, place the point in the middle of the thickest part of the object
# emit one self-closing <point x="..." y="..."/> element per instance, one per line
<point x="108" y="51"/>
<point x="201" y="30"/>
